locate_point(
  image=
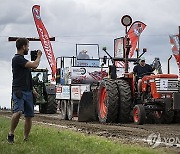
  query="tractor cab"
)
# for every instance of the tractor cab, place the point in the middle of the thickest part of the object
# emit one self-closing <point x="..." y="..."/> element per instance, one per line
<point x="39" y="75"/>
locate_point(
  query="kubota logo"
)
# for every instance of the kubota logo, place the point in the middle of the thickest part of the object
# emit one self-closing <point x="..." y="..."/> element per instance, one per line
<point x="37" y="13"/>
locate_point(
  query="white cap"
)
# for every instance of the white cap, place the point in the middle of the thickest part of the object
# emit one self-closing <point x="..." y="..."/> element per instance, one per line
<point x="84" y="51"/>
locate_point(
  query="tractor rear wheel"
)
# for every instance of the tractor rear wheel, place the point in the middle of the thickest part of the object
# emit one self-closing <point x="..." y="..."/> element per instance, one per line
<point x="139" y="114"/>
<point x="63" y="109"/>
<point x="43" y="108"/>
<point x="51" y="104"/>
<point x="107" y="105"/>
<point x="125" y="101"/>
<point x="164" y="117"/>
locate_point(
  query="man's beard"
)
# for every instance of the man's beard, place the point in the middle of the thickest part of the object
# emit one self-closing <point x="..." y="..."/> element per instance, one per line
<point x="25" y="52"/>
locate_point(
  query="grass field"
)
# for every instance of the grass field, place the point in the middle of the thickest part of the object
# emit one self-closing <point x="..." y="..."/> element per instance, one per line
<point x="48" y="139"/>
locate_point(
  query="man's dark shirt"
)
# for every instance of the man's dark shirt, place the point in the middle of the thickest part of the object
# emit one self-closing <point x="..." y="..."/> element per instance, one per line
<point x="140" y="70"/>
<point x="22" y="79"/>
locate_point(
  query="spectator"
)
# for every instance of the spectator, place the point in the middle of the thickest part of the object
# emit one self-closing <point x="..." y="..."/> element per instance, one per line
<point x="22" y="90"/>
<point x="83" y="55"/>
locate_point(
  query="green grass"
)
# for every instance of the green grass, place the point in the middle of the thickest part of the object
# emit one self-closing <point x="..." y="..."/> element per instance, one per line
<point x="48" y="139"/>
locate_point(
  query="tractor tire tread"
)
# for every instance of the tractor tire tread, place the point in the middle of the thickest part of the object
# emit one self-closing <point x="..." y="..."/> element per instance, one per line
<point x="125" y="101"/>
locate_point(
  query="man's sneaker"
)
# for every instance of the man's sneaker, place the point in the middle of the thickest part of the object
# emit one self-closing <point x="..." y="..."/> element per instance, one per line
<point x="25" y="139"/>
<point x="10" y="138"/>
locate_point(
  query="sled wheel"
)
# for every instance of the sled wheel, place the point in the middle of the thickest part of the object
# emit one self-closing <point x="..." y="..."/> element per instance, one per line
<point x="70" y="110"/>
<point x="139" y="114"/>
<point x="63" y="109"/>
<point x="87" y="108"/>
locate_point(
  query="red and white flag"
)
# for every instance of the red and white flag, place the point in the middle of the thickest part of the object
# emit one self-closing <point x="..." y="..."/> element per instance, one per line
<point x="174" y="40"/>
<point x="44" y="37"/>
<point x="133" y="33"/>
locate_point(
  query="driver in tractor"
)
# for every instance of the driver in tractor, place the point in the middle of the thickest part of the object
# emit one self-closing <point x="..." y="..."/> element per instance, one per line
<point x="36" y="78"/>
<point x="140" y="70"/>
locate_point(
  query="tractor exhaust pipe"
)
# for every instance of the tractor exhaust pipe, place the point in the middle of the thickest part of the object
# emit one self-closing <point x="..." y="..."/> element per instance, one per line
<point x="128" y="47"/>
<point x="169" y="64"/>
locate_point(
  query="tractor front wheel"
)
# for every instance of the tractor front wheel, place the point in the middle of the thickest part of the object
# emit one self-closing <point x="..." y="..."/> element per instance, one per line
<point x="139" y="114"/>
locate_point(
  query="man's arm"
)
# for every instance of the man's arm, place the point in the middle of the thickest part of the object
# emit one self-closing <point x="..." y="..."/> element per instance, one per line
<point x="35" y="63"/>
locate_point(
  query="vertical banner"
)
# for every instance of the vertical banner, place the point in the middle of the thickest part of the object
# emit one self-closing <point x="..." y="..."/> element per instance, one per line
<point x="174" y="41"/>
<point x="134" y="33"/>
<point x="44" y="37"/>
<point x="118" y="47"/>
<point x="119" y="51"/>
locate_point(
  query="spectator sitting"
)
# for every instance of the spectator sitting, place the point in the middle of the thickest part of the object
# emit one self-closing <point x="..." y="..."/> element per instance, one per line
<point x="83" y="55"/>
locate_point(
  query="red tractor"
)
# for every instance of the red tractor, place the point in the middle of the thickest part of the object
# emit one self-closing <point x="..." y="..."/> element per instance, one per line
<point x="118" y="100"/>
<point x="158" y="101"/>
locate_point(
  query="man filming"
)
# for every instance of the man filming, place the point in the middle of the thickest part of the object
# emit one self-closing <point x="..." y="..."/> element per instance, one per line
<point x="22" y="90"/>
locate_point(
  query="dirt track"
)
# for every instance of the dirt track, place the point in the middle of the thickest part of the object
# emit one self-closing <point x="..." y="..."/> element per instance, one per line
<point x="126" y="133"/>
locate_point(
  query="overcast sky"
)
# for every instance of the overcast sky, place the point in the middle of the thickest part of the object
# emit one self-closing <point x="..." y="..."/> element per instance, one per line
<point x="85" y="21"/>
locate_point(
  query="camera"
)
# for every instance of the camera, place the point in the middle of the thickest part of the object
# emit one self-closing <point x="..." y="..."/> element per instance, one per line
<point x="34" y="55"/>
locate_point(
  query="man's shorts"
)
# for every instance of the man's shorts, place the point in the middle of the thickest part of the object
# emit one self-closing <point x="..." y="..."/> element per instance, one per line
<point x="23" y="101"/>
